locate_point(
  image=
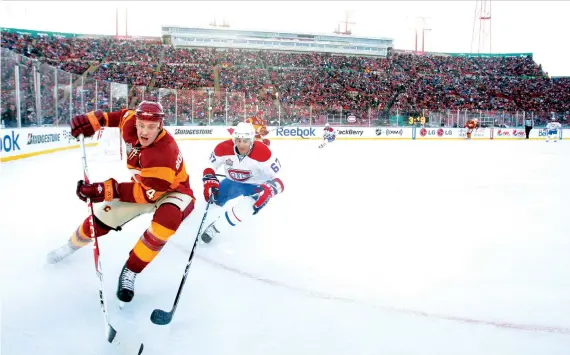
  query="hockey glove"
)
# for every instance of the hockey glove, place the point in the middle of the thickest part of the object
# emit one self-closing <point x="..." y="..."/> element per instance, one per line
<point x="268" y="190"/>
<point x="263" y="131"/>
<point x="211" y="184"/>
<point x="99" y="191"/>
<point x="87" y="124"/>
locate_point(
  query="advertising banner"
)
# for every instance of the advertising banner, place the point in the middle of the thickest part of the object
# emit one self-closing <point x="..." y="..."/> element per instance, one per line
<point x="24" y="142"/>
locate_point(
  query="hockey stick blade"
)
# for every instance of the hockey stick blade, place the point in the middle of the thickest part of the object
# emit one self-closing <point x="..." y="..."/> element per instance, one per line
<point x="111" y="334"/>
<point x="128" y="347"/>
<point x="160" y="317"/>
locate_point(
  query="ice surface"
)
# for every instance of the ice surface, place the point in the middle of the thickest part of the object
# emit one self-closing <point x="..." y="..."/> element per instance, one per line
<point x="375" y="247"/>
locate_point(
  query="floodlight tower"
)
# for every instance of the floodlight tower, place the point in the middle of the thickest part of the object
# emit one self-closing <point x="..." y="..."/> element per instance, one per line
<point x="481" y="36"/>
<point x="346" y="22"/>
<point x="419" y="26"/>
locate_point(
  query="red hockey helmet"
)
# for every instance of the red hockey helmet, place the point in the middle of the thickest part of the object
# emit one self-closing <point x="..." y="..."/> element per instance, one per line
<point x="150" y="111"/>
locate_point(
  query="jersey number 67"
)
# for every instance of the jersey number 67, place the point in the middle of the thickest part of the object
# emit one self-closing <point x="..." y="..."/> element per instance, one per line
<point x="276" y="166"/>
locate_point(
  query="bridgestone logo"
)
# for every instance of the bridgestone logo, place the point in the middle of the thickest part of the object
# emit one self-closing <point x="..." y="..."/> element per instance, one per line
<point x="43" y="138"/>
<point x="178" y="131"/>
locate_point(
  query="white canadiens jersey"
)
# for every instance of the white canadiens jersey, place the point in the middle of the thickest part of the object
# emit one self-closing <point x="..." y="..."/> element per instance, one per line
<point x="553" y="126"/>
<point x="256" y="168"/>
<point x="329" y="133"/>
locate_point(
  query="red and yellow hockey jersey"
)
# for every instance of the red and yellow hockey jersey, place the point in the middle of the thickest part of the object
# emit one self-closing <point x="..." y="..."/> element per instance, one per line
<point x="260" y="126"/>
<point x="156" y="169"/>
<point x="472" y="123"/>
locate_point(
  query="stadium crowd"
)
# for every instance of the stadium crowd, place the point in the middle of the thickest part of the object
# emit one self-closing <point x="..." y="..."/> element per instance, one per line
<point x="295" y="84"/>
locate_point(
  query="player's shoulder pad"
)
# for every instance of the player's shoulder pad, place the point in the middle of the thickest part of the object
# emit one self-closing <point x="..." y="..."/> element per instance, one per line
<point x="224" y="148"/>
<point x="260" y="152"/>
<point x="163" y="153"/>
<point x="168" y="140"/>
<point x="127" y="115"/>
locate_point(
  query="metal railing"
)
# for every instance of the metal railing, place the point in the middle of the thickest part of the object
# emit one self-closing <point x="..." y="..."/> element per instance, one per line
<point x="38" y="94"/>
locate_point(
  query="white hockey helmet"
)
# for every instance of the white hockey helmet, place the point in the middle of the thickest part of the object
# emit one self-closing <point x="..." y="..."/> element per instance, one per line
<point x="244" y="130"/>
<point x="327" y="124"/>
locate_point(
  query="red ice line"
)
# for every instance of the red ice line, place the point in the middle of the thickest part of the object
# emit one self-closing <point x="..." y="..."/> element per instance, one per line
<point x="533" y="328"/>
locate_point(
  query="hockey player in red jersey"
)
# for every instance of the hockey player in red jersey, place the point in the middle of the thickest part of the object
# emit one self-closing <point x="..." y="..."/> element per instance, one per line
<point x="251" y="171"/>
<point x="471" y="125"/>
<point x="260" y="126"/>
<point x="159" y="185"/>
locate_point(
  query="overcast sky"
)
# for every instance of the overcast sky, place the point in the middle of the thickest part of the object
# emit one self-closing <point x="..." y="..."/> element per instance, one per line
<point x="540" y="27"/>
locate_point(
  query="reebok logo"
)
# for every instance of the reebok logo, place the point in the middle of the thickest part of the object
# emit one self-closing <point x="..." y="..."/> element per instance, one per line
<point x="295" y="132"/>
<point x="10" y="143"/>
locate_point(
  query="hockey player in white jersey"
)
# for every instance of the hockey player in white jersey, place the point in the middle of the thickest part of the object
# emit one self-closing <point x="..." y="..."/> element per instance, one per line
<point x="251" y="171"/>
<point x="552" y="130"/>
<point x="329" y="135"/>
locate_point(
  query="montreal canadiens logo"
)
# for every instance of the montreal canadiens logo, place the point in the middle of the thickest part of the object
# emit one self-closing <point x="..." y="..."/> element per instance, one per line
<point x="239" y="175"/>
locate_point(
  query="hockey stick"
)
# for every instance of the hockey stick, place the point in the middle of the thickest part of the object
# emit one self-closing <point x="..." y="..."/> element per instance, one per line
<point x="161" y="317"/>
<point x="109" y="330"/>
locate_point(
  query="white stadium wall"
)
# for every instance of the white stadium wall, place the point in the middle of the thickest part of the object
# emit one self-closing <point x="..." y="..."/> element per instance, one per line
<point x="25" y="142"/>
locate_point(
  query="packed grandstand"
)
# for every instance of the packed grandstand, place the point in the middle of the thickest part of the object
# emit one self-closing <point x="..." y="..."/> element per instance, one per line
<point x="109" y="73"/>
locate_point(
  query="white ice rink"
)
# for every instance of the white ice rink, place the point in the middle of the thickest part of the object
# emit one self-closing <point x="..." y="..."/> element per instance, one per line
<point x="375" y="247"/>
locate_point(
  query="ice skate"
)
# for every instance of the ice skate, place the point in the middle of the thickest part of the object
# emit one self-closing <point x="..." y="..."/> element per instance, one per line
<point x="61" y="253"/>
<point x="209" y="233"/>
<point x="126" y="286"/>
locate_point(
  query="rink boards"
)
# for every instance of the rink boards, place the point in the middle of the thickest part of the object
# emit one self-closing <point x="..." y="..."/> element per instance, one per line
<point x="25" y="142"/>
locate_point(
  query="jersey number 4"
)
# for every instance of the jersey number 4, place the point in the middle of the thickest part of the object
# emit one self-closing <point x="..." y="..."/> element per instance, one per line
<point x="276" y="166"/>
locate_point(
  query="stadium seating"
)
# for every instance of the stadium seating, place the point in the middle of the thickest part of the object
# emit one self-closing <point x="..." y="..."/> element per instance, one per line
<point x="308" y="84"/>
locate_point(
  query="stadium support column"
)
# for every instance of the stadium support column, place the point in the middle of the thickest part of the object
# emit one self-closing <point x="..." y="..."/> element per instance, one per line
<point x="18" y="95"/>
<point x="55" y="96"/>
<point x="176" y="107"/>
<point x="70" y="98"/>
<point x="278" y="108"/>
<point x="226" y="108"/>
<point x="423" y="37"/>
